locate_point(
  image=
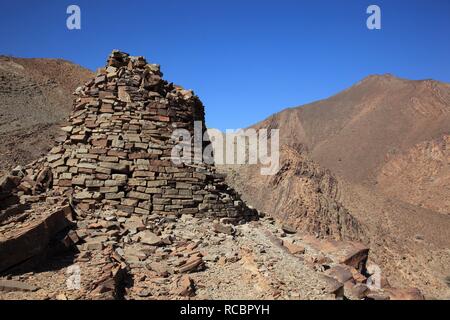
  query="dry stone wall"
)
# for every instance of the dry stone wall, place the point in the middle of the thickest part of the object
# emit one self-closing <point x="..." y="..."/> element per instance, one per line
<point x="118" y="145"/>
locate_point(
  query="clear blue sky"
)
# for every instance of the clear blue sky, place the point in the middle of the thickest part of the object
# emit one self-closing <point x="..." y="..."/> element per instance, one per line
<point x="246" y="59"/>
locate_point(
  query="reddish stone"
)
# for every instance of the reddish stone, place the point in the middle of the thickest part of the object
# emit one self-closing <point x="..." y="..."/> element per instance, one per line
<point x="98" y="151"/>
<point x="101" y="143"/>
<point x="162" y="118"/>
<point x="294" y="248"/>
<point x="34" y="239"/>
<point x="65" y="183"/>
<point x="90" y="124"/>
<point x="139" y="155"/>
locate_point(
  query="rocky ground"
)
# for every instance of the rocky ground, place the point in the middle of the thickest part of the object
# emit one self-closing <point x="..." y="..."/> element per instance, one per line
<point x="410" y="244"/>
<point x="119" y="256"/>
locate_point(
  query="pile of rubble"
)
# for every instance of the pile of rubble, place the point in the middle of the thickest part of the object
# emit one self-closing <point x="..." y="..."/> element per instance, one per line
<point x="114" y="168"/>
<point x="118" y="148"/>
<point x="191" y="258"/>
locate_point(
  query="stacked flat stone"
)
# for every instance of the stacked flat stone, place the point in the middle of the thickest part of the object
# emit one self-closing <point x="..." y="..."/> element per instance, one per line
<point x="118" y="146"/>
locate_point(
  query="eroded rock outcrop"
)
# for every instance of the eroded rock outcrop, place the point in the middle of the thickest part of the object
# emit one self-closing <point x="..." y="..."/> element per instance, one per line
<point x="301" y="195"/>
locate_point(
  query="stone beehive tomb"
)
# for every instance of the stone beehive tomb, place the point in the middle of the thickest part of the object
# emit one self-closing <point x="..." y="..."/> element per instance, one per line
<point x="118" y="145"/>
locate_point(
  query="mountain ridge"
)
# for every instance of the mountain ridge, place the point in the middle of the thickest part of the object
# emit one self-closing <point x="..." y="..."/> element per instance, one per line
<point x="315" y="124"/>
<point x="385" y="140"/>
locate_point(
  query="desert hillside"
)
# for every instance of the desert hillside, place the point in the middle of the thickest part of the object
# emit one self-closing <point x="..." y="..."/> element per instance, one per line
<point x="302" y="195"/>
<point x="362" y="133"/>
<point x="35" y="94"/>
<point x="377" y="151"/>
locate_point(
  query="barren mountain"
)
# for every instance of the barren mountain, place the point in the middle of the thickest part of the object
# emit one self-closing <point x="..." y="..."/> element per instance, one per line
<point x="409" y="243"/>
<point x="35" y="95"/>
<point x="301" y="195"/>
<point x="378" y="152"/>
<point x="362" y="133"/>
<point x="420" y="176"/>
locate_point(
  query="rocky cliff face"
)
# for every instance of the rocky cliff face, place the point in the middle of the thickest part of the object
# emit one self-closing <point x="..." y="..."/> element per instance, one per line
<point x="301" y="195"/>
<point x="385" y="140"/>
<point x="419" y="175"/>
<point x="352" y="132"/>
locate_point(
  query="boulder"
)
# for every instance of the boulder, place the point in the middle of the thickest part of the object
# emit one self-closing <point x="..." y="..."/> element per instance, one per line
<point x="357" y="291"/>
<point x="148" y="237"/>
<point x="34" y="239"/>
<point x="332" y="286"/>
<point x="353" y="254"/>
<point x="341" y="273"/>
<point x="294" y="248"/>
<point x="13" y="285"/>
<point x="185" y="287"/>
<point x="223" y="228"/>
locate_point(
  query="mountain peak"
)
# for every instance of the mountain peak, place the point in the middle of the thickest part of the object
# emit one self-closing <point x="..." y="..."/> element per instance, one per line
<point x="389" y="78"/>
<point x="376" y="78"/>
